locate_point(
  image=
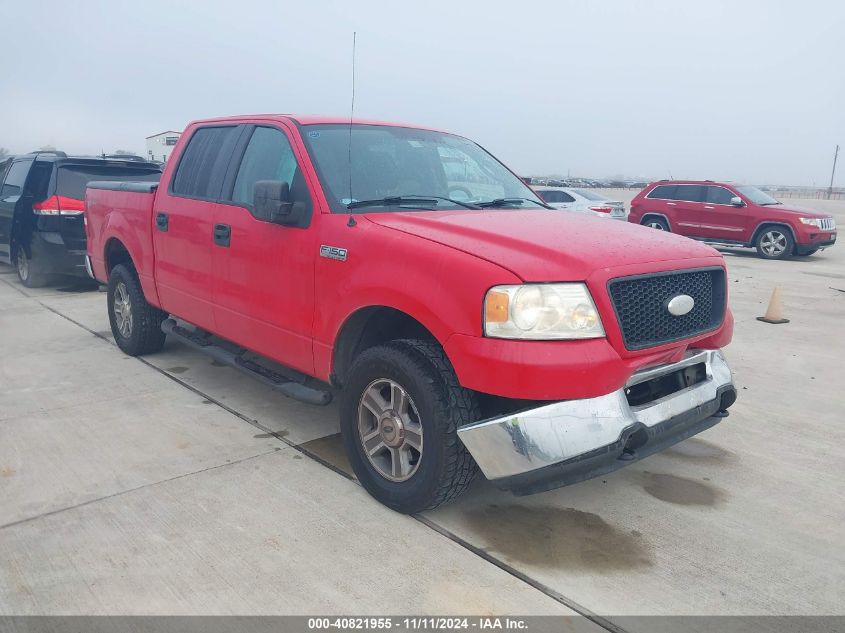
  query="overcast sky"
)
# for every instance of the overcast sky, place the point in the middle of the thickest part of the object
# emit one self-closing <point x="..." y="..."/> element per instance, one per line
<point x="750" y="91"/>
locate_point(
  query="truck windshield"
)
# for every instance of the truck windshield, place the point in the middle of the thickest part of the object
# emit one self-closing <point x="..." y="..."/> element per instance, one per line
<point x="391" y="163"/>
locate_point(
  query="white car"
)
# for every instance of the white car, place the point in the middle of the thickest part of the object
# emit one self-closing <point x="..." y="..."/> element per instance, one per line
<point x="583" y="201"/>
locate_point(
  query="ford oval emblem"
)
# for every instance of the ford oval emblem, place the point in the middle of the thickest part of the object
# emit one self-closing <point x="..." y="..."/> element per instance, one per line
<point x="680" y="305"/>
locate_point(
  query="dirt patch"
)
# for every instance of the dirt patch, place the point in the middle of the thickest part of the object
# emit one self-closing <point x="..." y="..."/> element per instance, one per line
<point x="561" y="538"/>
<point x="682" y="491"/>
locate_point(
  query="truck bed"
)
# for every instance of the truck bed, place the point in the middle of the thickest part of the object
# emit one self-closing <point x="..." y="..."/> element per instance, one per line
<point x="117" y="208"/>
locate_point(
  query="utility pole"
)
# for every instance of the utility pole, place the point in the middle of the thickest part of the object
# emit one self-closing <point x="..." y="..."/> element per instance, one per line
<point x="833" y="171"/>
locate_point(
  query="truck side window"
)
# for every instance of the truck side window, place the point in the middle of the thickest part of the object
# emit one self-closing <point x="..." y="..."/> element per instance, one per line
<point x="719" y="195"/>
<point x="268" y="156"/>
<point x="690" y="193"/>
<point x="202" y="165"/>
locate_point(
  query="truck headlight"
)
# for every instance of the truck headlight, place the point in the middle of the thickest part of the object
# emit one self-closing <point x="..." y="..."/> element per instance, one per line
<point x="811" y="221"/>
<point x="541" y="312"/>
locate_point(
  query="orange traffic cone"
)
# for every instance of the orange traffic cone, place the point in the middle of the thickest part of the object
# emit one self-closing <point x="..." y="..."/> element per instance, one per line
<point x="774" y="313"/>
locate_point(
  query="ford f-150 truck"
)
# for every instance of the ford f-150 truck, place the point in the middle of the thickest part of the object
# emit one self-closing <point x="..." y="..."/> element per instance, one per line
<point x="465" y="324"/>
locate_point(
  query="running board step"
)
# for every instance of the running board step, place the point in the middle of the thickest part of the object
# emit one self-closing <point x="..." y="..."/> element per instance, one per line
<point x="271" y="378"/>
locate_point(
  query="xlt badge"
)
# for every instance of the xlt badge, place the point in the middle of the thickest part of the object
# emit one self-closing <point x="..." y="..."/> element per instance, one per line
<point x="333" y="252"/>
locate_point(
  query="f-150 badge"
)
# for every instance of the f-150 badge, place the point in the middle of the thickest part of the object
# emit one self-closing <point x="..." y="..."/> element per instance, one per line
<point x="333" y="252"/>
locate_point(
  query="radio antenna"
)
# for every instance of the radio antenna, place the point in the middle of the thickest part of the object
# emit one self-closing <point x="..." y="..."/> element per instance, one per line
<point x="351" y="116"/>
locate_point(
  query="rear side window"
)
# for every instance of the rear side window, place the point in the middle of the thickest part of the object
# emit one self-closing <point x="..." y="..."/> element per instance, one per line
<point x="15" y="178"/>
<point x="38" y="183"/>
<point x="719" y="195"/>
<point x="663" y="192"/>
<point x="689" y="193"/>
<point x="71" y="180"/>
<point x="203" y="163"/>
<point x="555" y="196"/>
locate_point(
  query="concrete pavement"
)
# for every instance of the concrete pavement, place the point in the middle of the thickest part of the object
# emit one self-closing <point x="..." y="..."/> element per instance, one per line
<point x="173" y="485"/>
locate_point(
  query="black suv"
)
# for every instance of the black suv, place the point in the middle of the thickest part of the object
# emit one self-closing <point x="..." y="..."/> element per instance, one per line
<point x="42" y="227"/>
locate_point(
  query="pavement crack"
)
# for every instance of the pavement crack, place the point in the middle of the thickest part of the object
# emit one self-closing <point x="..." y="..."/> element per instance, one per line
<point x="426" y="522"/>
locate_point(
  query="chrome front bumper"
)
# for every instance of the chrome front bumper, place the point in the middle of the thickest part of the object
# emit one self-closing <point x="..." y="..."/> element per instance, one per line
<point x="573" y="440"/>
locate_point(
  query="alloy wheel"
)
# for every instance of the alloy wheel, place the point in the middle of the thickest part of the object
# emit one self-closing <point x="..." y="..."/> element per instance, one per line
<point x="773" y="243"/>
<point x="390" y="430"/>
<point x="23" y="265"/>
<point x="122" y="310"/>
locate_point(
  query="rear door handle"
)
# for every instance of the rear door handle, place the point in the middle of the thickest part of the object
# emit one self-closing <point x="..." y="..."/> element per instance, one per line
<point x="161" y="221"/>
<point x="222" y="234"/>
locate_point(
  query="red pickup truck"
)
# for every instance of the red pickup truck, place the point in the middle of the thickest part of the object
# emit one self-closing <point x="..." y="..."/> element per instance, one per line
<point x="465" y="324"/>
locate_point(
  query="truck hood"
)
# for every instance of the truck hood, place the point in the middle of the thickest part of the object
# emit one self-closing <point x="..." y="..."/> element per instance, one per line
<point x="545" y="245"/>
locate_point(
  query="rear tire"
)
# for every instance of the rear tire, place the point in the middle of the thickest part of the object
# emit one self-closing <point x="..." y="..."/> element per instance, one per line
<point x="774" y="242"/>
<point x="135" y="324"/>
<point x="654" y="222"/>
<point x="402" y="399"/>
<point x="29" y="270"/>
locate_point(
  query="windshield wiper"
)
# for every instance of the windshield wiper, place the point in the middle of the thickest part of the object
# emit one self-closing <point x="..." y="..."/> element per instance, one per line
<point x="392" y="201"/>
<point x="503" y="202"/>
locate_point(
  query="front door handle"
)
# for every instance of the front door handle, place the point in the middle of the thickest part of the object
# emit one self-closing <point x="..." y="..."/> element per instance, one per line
<point x="222" y="234"/>
<point x="161" y="221"/>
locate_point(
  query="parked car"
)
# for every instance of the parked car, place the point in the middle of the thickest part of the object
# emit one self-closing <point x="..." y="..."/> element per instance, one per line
<point x="582" y="201"/>
<point x="543" y="348"/>
<point x="41" y="210"/>
<point x="734" y="215"/>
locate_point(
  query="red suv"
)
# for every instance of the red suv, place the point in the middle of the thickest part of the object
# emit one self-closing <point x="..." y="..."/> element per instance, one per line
<point x="735" y="215"/>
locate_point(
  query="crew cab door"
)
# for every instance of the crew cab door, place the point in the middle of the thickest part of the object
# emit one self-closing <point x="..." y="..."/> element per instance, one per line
<point x="722" y="220"/>
<point x="183" y="221"/>
<point x="264" y="272"/>
<point x="689" y="203"/>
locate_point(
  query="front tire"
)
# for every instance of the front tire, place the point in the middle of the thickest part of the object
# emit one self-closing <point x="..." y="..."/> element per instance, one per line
<point x="29" y="270"/>
<point x="774" y="242"/>
<point x="135" y="324"/>
<point x="399" y="415"/>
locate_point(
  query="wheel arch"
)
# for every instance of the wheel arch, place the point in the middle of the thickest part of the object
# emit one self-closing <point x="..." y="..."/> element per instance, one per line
<point x="370" y="326"/>
<point x="114" y="253"/>
<point x="662" y="216"/>
<point x="768" y="223"/>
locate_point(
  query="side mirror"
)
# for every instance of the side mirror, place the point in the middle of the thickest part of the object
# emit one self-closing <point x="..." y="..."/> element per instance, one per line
<point x="737" y="201"/>
<point x="271" y="201"/>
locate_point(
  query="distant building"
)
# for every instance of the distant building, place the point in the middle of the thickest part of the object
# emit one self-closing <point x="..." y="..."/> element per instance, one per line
<point x="159" y="146"/>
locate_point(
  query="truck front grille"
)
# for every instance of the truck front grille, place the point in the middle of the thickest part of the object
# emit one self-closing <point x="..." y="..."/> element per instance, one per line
<point x="828" y="224"/>
<point x="641" y="305"/>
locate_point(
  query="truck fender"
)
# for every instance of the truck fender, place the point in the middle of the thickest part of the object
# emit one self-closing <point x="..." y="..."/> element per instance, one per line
<point x="119" y="235"/>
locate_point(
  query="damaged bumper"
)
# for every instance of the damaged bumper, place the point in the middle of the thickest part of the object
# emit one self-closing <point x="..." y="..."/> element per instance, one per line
<point x="573" y="440"/>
